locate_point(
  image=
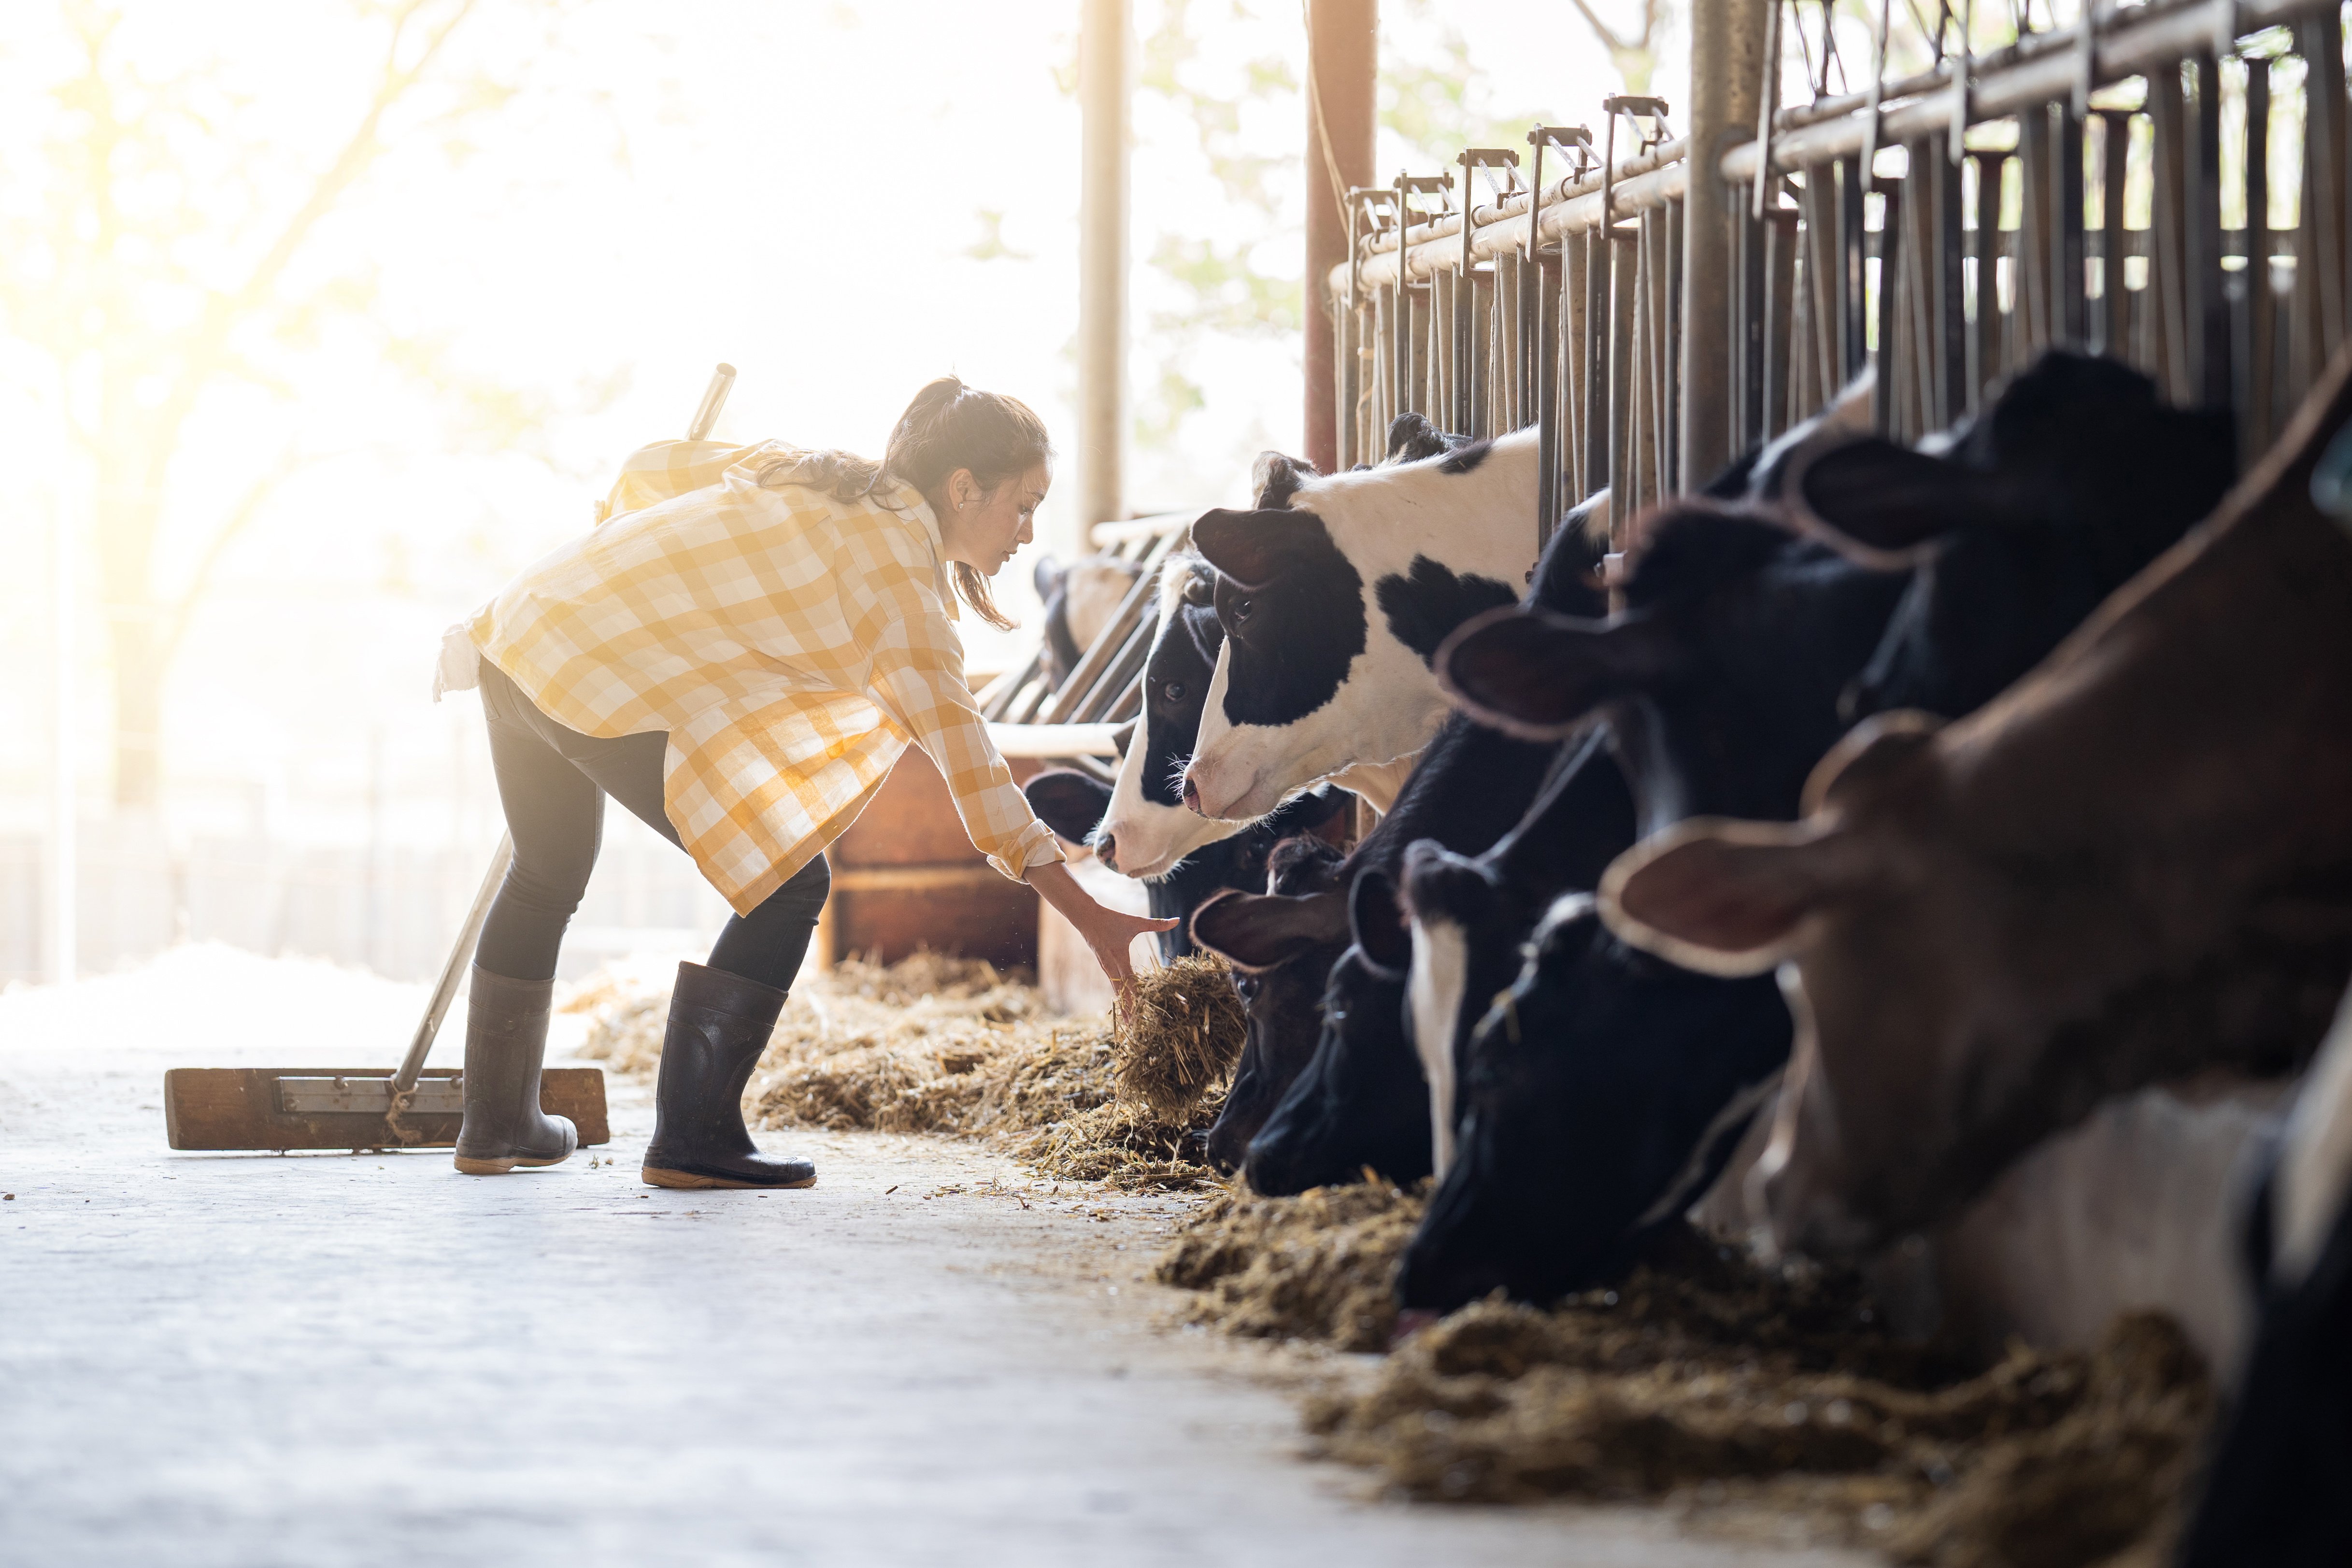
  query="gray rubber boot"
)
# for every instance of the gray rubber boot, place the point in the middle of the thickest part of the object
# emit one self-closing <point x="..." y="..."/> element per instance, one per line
<point x="506" y="1038"/>
<point x="719" y="1024"/>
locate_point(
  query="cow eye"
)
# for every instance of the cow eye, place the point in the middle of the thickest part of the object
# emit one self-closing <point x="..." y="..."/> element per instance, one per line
<point x="1240" y="610"/>
<point x="1173" y="691"/>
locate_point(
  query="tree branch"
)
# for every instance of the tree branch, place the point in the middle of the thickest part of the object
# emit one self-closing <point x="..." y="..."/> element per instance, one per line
<point x="240" y="517"/>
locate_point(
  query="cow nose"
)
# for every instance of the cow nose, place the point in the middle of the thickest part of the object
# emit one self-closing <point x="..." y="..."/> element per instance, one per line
<point x="1108" y="853"/>
<point x="1192" y="796"/>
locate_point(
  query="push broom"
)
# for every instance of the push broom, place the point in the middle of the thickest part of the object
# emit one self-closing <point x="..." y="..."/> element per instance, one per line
<point x="363" y="1108"/>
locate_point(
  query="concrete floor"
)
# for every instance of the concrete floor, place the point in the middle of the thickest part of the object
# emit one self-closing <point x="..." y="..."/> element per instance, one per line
<point x="251" y="1361"/>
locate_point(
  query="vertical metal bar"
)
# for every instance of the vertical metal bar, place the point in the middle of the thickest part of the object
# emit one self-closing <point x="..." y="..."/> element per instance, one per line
<point x="1853" y="330"/>
<point x="2208" y="323"/>
<point x="1601" y="410"/>
<point x="1621" y="257"/>
<point x="1949" y="313"/>
<point x="1805" y="360"/>
<point x="2036" y="287"/>
<point x="2167" y="252"/>
<point x="1890" y="255"/>
<point x="2069" y="320"/>
<point x="1984" y="332"/>
<point x="2322" y="256"/>
<point x="2114" y="314"/>
<point x="1780" y="295"/>
<point x="1574" y="403"/>
<point x="2256" y="371"/>
<point x="1826" y="272"/>
<point x="1676" y="475"/>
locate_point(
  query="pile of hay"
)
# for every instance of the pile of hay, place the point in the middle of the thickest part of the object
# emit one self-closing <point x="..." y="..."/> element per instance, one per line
<point x="1745" y="1395"/>
<point x="952" y="1046"/>
<point x="1316" y="1267"/>
<point x="1181" y="1036"/>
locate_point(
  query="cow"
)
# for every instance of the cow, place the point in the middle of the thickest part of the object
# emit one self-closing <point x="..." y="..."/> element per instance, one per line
<point x="1335" y="1087"/>
<point x="2274" y="1492"/>
<point x="1333" y="606"/>
<point x="2135" y="864"/>
<point x="1742" y="653"/>
<point x="1079" y="600"/>
<point x="1147" y="832"/>
<point x="1072" y="804"/>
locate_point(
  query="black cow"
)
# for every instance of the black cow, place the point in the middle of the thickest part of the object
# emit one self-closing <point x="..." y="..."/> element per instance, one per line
<point x="1072" y="804"/>
<point x="2275" y="1493"/>
<point x="1340" y="1087"/>
<point x="1741" y="655"/>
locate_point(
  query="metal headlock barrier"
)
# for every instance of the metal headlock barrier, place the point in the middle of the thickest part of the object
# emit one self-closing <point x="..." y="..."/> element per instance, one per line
<point x="1942" y="229"/>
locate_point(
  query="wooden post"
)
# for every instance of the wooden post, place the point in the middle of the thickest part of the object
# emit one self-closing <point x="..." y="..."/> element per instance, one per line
<point x="1726" y="73"/>
<point x="1103" y="95"/>
<point x="1342" y="57"/>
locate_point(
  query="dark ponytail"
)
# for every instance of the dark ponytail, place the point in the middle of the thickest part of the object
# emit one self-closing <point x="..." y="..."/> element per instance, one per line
<point x="948" y="426"/>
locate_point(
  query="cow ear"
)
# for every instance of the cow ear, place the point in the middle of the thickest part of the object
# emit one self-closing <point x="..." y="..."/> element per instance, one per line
<point x="1376" y="922"/>
<point x="1274" y="478"/>
<point x="1412" y="437"/>
<point x="1726" y="897"/>
<point x="1884" y="506"/>
<point x="1124" y="736"/>
<point x="1256" y="932"/>
<point x="1249" y="546"/>
<point x="1870" y="750"/>
<point x="1070" y="803"/>
<point x="1046" y="576"/>
<point x="1536" y="675"/>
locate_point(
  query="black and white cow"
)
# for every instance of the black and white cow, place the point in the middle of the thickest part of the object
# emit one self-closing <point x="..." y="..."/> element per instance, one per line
<point x="1742" y="655"/>
<point x="2276" y="1493"/>
<point x="1334" y="604"/>
<point x="1336" y="1086"/>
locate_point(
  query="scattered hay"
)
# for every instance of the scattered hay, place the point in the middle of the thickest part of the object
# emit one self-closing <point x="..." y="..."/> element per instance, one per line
<point x="1320" y="1266"/>
<point x="1741" y="1391"/>
<point x="1181" y="1036"/>
<point x="943" y="1045"/>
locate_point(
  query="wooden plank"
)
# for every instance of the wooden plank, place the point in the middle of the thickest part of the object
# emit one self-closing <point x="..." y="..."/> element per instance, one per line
<point x="236" y="1108"/>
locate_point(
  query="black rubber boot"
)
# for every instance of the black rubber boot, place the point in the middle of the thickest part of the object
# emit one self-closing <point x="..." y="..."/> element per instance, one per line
<point x="719" y="1024"/>
<point x="506" y="1038"/>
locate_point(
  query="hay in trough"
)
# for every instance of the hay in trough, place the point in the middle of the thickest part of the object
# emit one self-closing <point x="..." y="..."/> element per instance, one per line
<point x="1181" y="1036"/>
<point x="939" y="1045"/>
<point x="1318" y="1267"/>
<point x="1740" y="1392"/>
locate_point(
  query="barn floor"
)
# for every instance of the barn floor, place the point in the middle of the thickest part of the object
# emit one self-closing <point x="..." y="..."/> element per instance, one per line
<point x="928" y="1358"/>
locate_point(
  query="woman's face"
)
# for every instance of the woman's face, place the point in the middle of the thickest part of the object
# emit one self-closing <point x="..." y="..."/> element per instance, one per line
<point x="982" y="528"/>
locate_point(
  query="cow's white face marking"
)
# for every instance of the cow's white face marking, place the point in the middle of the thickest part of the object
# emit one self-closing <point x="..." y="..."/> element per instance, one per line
<point x="1441" y="968"/>
<point x="1149" y="841"/>
<point x="2315" y="1168"/>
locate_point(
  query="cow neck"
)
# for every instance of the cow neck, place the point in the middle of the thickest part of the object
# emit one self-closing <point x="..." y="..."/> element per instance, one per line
<point x="1377" y="784"/>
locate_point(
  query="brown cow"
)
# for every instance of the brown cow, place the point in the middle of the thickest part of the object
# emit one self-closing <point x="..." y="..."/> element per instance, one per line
<point x="2136" y="863"/>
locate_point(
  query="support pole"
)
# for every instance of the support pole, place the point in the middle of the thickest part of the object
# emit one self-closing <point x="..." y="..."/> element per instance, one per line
<point x="1726" y="73"/>
<point x="1343" y="57"/>
<point x="1103" y="94"/>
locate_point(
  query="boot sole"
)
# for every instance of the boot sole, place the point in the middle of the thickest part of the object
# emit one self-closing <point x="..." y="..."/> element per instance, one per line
<point x="687" y="1180"/>
<point x="501" y="1167"/>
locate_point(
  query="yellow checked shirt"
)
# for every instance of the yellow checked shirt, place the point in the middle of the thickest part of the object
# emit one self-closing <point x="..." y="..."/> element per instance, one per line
<point x="791" y="644"/>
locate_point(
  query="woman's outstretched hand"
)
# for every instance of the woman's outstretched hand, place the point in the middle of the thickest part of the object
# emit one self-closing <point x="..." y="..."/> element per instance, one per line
<point x="1107" y="931"/>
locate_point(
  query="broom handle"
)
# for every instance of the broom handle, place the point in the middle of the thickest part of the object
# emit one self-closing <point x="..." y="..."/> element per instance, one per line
<point x="445" y="990"/>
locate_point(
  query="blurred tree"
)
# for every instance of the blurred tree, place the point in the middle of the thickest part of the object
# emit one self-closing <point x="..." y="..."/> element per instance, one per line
<point x="163" y="273"/>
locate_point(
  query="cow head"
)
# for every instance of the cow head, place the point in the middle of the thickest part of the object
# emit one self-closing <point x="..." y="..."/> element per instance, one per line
<point x="1147" y="832"/>
<point x="1603" y="1092"/>
<point x="1281" y="945"/>
<point x="1359" y="1102"/>
<point x="1333" y="608"/>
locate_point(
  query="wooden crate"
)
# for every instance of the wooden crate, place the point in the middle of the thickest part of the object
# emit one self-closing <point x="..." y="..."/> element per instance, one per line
<point x="905" y="876"/>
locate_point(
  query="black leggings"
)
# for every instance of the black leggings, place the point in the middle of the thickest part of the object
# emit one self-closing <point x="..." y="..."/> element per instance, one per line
<point x="553" y="781"/>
